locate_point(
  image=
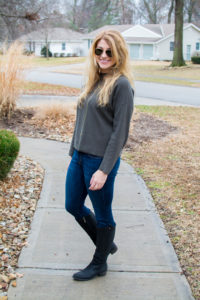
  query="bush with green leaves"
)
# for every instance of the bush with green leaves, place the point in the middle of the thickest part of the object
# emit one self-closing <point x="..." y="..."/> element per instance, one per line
<point x="44" y="52"/>
<point x="9" y="149"/>
<point x="196" y="57"/>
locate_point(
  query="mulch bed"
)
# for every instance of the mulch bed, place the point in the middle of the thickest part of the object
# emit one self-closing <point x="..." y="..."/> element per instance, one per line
<point x="19" y="194"/>
<point x="23" y="123"/>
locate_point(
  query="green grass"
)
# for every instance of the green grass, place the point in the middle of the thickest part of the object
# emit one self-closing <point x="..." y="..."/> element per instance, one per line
<point x="159" y="111"/>
<point x="167" y="81"/>
<point x="56" y="61"/>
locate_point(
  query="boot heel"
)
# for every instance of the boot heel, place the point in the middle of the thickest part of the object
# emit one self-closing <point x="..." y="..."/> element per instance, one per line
<point x="113" y="249"/>
<point x="102" y="273"/>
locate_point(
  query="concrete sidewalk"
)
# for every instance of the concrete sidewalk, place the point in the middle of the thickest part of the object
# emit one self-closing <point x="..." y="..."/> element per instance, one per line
<point x="145" y="266"/>
<point x="35" y="100"/>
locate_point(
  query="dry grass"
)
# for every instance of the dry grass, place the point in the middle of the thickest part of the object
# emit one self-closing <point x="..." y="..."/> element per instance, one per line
<point x="12" y="65"/>
<point x="163" y="69"/>
<point x="171" y="169"/>
<point x="59" y="118"/>
<point x="56" y="61"/>
<point x="54" y="111"/>
<point x="29" y="87"/>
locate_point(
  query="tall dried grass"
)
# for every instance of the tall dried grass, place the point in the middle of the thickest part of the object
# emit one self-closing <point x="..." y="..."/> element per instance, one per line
<point x="12" y="64"/>
<point x="54" y="111"/>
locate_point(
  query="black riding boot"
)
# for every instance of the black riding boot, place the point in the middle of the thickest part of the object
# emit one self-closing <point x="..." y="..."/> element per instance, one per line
<point x="98" y="265"/>
<point x="89" y="224"/>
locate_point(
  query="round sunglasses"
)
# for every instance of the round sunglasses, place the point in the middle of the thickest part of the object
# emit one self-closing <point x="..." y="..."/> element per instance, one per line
<point x="99" y="51"/>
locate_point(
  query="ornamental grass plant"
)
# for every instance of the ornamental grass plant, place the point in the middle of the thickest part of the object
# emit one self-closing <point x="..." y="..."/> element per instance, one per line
<point x="12" y="64"/>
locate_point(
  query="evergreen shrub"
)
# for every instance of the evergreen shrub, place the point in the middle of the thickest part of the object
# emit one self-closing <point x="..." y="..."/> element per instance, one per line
<point x="44" y="52"/>
<point x="196" y="57"/>
<point x="9" y="149"/>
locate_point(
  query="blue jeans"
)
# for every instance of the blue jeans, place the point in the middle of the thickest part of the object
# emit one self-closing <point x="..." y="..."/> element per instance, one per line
<point x="80" y="171"/>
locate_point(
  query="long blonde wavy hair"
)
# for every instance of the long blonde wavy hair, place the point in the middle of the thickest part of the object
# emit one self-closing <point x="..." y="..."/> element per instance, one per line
<point x="122" y="66"/>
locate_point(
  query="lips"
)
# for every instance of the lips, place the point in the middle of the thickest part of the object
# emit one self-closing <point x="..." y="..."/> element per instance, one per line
<point x="104" y="61"/>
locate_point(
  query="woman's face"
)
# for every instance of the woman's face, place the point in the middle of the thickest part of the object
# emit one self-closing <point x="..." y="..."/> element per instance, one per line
<point x="104" y="61"/>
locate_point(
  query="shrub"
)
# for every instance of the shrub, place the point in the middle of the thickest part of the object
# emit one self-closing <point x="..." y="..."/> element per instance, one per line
<point x="44" y="52"/>
<point x="12" y="65"/>
<point x="9" y="149"/>
<point x="28" y="52"/>
<point x="195" y="57"/>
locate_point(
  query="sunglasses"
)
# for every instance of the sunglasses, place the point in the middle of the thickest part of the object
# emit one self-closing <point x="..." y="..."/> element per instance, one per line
<point x="99" y="51"/>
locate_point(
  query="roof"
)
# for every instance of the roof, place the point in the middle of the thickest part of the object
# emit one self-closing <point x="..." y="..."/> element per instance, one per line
<point x="119" y="28"/>
<point x="154" y="27"/>
<point x="54" y="34"/>
<point x="141" y="40"/>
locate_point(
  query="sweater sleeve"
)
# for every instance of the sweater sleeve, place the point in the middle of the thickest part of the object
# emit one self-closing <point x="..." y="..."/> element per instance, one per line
<point x="71" y="149"/>
<point x="122" y="100"/>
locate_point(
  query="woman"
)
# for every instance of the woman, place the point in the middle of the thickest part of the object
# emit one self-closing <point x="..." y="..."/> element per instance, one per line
<point x="102" y="123"/>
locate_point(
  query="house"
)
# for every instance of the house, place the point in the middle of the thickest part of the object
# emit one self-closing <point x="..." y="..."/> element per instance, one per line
<point x="152" y="41"/>
<point x="61" y="41"/>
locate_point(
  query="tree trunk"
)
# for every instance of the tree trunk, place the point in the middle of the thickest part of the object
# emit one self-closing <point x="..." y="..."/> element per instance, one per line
<point x="178" y="60"/>
<point x="47" y="47"/>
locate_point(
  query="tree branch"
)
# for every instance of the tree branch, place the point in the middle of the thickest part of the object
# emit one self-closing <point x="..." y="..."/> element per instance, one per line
<point x="28" y="16"/>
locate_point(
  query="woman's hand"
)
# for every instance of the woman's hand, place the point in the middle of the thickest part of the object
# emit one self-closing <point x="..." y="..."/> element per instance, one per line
<point x="98" y="180"/>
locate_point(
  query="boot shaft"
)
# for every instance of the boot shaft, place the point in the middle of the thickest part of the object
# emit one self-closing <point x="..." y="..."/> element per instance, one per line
<point x="105" y="237"/>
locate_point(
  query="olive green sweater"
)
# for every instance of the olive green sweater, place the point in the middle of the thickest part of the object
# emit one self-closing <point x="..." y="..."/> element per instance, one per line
<point x="103" y="131"/>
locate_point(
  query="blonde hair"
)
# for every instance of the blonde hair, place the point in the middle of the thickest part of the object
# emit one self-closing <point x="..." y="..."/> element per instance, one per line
<point x="120" y="53"/>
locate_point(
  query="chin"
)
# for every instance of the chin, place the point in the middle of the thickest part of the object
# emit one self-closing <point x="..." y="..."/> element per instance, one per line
<point x="105" y="67"/>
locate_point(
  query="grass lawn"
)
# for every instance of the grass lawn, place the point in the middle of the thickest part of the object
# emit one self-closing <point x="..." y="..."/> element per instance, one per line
<point x="161" y="72"/>
<point x="55" y="61"/>
<point x="30" y="87"/>
<point x="170" y="167"/>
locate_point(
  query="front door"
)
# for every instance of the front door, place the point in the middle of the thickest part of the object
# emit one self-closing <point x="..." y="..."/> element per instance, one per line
<point x="188" y="52"/>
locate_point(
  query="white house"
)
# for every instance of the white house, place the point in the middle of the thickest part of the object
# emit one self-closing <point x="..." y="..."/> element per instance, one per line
<point x="152" y="41"/>
<point x="61" y="41"/>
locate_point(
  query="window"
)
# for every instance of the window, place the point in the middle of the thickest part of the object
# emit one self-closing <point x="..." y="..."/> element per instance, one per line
<point x="63" y="46"/>
<point x="197" y="46"/>
<point x="89" y="43"/>
<point x="171" y="46"/>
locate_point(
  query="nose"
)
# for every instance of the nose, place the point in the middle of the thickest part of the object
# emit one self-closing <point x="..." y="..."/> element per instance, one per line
<point x="104" y="54"/>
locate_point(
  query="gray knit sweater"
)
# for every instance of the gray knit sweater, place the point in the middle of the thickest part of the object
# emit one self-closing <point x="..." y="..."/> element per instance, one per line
<point x="103" y="131"/>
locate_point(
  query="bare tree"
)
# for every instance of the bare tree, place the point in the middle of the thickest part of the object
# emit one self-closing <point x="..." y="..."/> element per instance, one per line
<point x="22" y="16"/>
<point x="18" y="16"/>
<point x="171" y="8"/>
<point x="153" y="11"/>
<point x="178" y="60"/>
<point x="191" y="10"/>
<point x="125" y="11"/>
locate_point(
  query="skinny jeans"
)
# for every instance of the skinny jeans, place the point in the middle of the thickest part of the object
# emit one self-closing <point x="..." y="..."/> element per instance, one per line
<point x="79" y="174"/>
